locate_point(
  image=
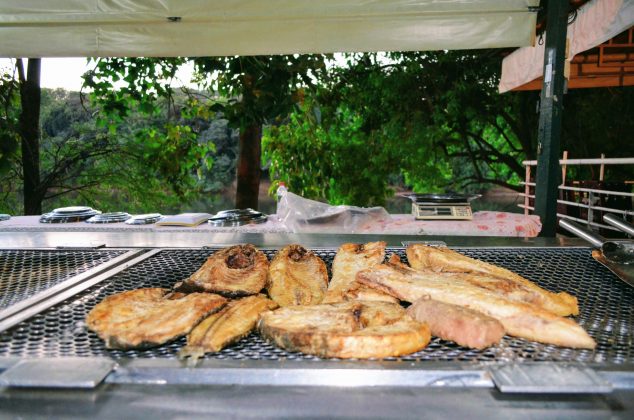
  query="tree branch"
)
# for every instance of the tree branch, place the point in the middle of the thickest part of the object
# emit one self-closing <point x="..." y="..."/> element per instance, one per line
<point x="506" y="138"/>
<point x="484" y="180"/>
<point x="20" y="66"/>
<point x="508" y="160"/>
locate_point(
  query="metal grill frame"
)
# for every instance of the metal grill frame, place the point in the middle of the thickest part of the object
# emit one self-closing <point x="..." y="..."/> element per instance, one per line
<point x="45" y="268"/>
<point x="39" y="300"/>
<point x="313" y="371"/>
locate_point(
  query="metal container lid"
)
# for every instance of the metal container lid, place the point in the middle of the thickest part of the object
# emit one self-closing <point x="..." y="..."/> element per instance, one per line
<point x="237" y="217"/>
<point x="144" y="219"/>
<point x="69" y="214"/>
<point x="112" y="217"/>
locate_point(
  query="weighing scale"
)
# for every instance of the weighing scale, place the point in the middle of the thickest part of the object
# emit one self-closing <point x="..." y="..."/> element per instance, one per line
<point x="442" y="206"/>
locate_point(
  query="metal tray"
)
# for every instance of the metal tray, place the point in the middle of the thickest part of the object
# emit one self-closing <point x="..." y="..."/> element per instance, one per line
<point x="606" y="312"/>
<point x="24" y="273"/>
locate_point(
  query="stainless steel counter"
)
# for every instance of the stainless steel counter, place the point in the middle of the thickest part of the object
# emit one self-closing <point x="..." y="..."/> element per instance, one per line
<point x="187" y="401"/>
<point x="197" y="239"/>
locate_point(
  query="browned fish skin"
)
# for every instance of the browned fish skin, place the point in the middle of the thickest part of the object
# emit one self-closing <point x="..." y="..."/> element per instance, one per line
<point x="350" y="259"/>
<point x="234" y="321"/>
<point x="149" y="317"/>
<point x="346" y="330"/>
<point x="239" y="270"/>
<point x="297" y="277"/>
<point x="519" y="319"/>
<point x="442" y="259"/>
<point x="463" y="326"/>
<point x="359" y="291"/>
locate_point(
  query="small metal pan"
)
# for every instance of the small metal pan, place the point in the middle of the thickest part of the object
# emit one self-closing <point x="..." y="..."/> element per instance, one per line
<point x="617" y="256"/>
<point x="451" y="198"/>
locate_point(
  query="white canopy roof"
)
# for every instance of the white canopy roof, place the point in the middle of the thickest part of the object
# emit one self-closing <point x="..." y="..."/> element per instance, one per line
<point x="596" y="22"/>
<point x="64" y="28"/>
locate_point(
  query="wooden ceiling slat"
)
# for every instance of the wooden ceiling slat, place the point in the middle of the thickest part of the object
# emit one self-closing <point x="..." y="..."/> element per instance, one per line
<point x="586" y="82"/>
<point x="610" y="64"/>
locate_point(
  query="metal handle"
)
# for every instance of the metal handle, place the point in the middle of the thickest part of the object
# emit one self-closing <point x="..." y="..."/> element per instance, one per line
<point x="619" y="224"/>
<point x="583" y="233"/>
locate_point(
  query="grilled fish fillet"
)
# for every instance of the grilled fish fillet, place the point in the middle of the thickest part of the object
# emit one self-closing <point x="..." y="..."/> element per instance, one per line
<point x="346" y="330"/>
<point x="359" y="291"/>
<point x="149" y="317"/>
<point x="230" y="324"/>
<point x="519" y="319"/>
<point x="236" y="271"/>
<point x="461" y="325"/>
<point x="490" y="276"/>
<point x="350" y="259"/>
<point x="297" y="277"/>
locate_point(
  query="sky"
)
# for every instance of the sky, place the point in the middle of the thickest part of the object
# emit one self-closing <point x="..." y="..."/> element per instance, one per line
<point x="58" y="72"/>
<point x="66" y="72"/>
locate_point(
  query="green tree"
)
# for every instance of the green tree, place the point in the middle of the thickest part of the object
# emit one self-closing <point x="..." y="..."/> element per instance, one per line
<point x="83" y="163"/>
<point x="9" y="138"/>
<point x="326" y="155"/>
<point x="29" y="132"/>
<point x="249" y="91"/>
<point x="450" y="99"/>
<point x="441" y="125"/>
<point x="433" y="119"/>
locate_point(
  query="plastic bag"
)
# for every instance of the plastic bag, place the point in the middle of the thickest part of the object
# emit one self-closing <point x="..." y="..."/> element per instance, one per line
<point x="299" y="214"/>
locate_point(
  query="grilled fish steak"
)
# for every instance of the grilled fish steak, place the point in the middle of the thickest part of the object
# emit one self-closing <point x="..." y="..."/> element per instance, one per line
<point x="235" y="271"/>
<point x="346" y="330"/>
<point x="231" y="323"/>
<point x="519" y="319"/>
<point x="463" y="326"/>
<point x="350" y="259"/>
<point x="490" y="276"/>
<point x="149" y="317"/>
<point x="297" y="277"/>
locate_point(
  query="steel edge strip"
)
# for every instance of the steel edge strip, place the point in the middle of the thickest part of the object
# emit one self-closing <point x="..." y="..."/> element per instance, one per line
<point x="58" y="293"/>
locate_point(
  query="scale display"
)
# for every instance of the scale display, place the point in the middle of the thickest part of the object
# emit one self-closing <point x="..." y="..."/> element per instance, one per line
<point x="442" y="212"/>
<point x="449" y="206"/>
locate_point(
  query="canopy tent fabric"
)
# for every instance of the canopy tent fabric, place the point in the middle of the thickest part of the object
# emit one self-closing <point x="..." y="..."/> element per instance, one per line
<point x="597" y="21"/>
<point x="101" y="28"/>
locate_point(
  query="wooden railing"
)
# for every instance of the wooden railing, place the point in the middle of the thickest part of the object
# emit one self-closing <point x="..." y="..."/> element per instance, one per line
<point x="590" y="199"/>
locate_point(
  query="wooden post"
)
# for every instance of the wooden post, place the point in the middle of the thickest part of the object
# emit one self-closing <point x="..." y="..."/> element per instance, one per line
<point x="527" y="188"/>
<point x="602" y="168"/>
<point x="551" y="107"/>
<point x="563" y="168"/>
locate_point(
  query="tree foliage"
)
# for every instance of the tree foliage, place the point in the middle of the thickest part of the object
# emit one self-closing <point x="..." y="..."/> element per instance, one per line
<point x="329" y="158"/>
<point x="436" y="122"/>
<point x="433" y="120"/>
<point x="9" y="139"/>
<point x="427" y="121"/>
<point x="136" y="95"/>
<point x="82" y="163"/>
<point x="249" y="91"/>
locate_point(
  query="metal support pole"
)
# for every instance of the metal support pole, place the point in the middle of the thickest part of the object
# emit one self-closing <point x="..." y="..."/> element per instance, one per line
<point x="550" y="113"/>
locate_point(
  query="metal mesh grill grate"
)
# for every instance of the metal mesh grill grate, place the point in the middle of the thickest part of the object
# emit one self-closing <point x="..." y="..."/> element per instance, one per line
<point x="605" y="303"/>
<point x="24" y="273"/>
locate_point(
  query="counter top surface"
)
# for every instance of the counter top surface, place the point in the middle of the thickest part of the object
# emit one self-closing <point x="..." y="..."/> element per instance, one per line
<point x="484" y="223"/>
<point x="185" y="401"/>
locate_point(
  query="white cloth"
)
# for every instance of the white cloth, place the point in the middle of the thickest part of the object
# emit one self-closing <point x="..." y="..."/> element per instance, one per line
<point x="169" y="28"/>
